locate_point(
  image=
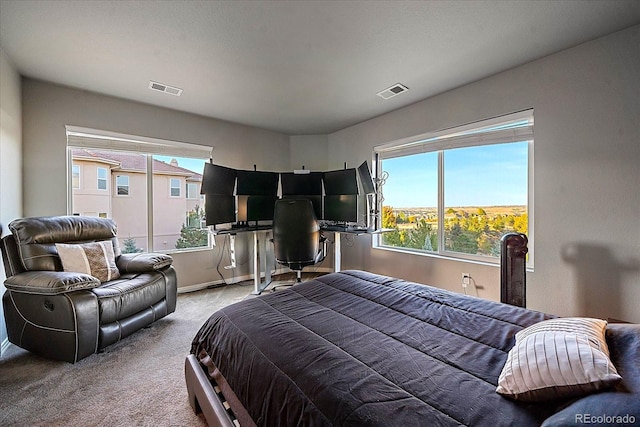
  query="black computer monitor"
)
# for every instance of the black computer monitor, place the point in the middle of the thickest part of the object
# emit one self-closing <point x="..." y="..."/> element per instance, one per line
<point x="218" y="180"/>
<point x="309" y="184"/>
<point x="365" y="178"/>
<point x="219" y="209"/>
<point x="340" y="182"/>
<point x="341" y="208"/>
<point x="260" y="208"/>
<point x="316" y="200"/>
<point x="257" y="183"/>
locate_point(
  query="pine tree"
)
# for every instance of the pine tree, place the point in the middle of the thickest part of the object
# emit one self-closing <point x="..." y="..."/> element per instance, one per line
<point x="130" y="246"/>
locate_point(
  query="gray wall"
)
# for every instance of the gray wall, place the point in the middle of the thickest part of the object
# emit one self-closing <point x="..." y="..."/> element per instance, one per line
<point x="47" y="108"/>
<point x="586" y="176"/>
<point x="10" y="157"/>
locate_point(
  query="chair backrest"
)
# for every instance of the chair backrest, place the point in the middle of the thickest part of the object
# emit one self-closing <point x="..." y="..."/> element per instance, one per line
<point x="296" y="233"/>
<point x="35" y="238"/>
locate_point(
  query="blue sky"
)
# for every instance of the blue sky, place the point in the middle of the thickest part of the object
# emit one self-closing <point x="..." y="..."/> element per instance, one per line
<point x="476" y="176"/>
<point x="195" y="165"/>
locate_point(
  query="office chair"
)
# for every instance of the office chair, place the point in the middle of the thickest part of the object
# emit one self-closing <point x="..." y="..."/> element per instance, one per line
<point x="297" y="240"/>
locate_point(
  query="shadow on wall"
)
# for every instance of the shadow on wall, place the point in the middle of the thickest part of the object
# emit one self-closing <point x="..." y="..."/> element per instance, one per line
<point x="598" y="274"/>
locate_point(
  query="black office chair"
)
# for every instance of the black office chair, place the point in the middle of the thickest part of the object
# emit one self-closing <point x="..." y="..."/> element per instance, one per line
<point x="297" y="239"/>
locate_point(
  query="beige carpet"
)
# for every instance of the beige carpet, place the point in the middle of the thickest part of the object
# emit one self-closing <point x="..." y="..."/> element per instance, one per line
<point x="138" y="381"/>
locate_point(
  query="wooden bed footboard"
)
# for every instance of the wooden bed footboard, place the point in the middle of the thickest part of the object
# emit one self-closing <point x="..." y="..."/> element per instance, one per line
<point x="203" y="397"/>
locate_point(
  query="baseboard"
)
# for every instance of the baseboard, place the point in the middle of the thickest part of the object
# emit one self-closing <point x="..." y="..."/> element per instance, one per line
<point x="237" y="279"/>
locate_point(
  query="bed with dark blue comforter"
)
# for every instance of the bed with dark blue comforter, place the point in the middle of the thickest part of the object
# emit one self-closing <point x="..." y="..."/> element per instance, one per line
<point x="359" y="349"/>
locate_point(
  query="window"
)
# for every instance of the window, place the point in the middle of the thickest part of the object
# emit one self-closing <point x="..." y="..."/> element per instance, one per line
<point x="148" y="219"/>
<point x="102" y="215"/>
<point x="192" y="191"/>
<point x="175" y="187"/>
<point x="122" y="185"/>
<point x="457" y="192"/>
<point x="75" y="176"/>
<point x="102" y="178"/>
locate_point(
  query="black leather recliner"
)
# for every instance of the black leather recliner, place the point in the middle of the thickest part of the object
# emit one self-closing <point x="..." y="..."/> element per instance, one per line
<point x="66" y="315"/>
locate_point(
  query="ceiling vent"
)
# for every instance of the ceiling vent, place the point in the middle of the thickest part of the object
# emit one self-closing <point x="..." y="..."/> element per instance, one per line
<point x="392" y="91"/>
<point x="165" y="88"/>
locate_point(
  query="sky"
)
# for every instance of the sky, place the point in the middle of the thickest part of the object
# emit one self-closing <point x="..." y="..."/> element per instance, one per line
<point x="195" y="165"/>
<point x="475" y="176"/>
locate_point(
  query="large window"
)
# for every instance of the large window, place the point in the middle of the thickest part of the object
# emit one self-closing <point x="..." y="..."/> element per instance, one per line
<point x="154" y="216"/>
<point x="457" y="192"/>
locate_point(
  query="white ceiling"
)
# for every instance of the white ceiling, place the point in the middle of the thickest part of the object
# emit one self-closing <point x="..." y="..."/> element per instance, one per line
<point x="309" y="67"/>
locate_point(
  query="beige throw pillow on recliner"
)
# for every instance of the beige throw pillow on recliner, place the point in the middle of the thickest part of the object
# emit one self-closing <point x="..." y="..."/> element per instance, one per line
<point x="95" y="258"/>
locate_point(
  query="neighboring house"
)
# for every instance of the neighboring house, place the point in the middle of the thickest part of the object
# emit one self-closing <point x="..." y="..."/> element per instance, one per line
<point x="113" y="184"/>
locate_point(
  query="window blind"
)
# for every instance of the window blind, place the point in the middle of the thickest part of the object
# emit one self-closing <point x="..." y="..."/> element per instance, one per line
<point x="91" y="138"/>
<point x="504" y="129"/>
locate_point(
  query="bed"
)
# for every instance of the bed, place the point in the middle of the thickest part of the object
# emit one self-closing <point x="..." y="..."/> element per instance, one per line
<point x="359" y="349"/>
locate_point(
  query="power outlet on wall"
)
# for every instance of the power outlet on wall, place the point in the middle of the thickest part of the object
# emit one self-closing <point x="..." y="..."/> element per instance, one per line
<point x="465" y="279"/>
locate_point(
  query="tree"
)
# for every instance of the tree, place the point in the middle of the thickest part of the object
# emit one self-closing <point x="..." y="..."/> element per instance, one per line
<point x="388" y="217"/>
<point x="130" y="246"/>
<point x="191" y="235"/>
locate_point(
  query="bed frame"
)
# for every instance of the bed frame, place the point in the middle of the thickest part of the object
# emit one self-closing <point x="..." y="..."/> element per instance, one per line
<point x="205" y="396"/>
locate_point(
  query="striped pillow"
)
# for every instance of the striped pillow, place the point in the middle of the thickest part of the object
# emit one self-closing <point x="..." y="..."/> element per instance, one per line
<point x="558" y="358"/>
<point x="96" y="259"/>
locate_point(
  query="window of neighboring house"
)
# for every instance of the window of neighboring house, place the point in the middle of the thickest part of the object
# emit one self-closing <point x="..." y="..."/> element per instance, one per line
<point x="457" y="192"/>
<point x="146" y="220"/>
<point x="102" y="215"/>
<point x="75" y="176"/>
<point x="192" y="191"/>
<point x="102" y="178"/>
<point x="174" y="187"/>
<point x="122" y="185"/>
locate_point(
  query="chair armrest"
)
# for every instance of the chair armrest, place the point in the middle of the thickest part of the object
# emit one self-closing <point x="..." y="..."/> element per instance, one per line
<point x="142" y="262"/>
<point x="50" y="282"/>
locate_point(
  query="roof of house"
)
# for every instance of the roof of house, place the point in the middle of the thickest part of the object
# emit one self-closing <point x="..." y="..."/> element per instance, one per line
<point x="134" y="162"/>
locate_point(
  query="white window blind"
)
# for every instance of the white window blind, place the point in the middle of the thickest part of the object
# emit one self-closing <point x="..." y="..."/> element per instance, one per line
<point x="514" y="127"/>
<point x="99" y="139"/>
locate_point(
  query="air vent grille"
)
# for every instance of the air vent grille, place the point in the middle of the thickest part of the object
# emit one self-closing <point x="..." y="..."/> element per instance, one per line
<point x="392" y="91"/>
<point x="171" y="90"/>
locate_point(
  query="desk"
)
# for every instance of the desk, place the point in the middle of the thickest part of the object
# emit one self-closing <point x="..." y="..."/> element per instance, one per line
<point x="260" y="236"/>
<point x="263" y="234"/>
<point x="337" y="232"/>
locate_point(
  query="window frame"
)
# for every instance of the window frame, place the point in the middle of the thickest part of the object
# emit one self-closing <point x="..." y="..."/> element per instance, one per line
<point x="195" y="194"/>
<point x="81" y="137"/>
<point x="75" y="167"/>
<point x="470" y="135"/>
<point x="118" y="186"/>
<point x="105" y="179"/>
<point x="176" y="187"/>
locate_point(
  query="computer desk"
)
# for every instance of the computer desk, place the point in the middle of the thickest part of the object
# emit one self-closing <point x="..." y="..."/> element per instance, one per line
<point x="353" y="230"/>
<point x="263" y="234"/>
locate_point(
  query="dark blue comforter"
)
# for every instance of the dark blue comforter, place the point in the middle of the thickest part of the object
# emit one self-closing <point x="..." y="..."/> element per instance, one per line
<point x="358" y="349"/>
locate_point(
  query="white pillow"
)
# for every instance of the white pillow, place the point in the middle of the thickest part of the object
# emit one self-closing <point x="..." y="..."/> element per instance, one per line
<point x="96" y="259"/>
<point x="558" y="358"/>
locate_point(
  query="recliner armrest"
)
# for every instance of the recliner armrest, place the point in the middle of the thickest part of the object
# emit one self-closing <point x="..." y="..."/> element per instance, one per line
<point x="50" y="282"/>
<point x="142" y="262"/>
